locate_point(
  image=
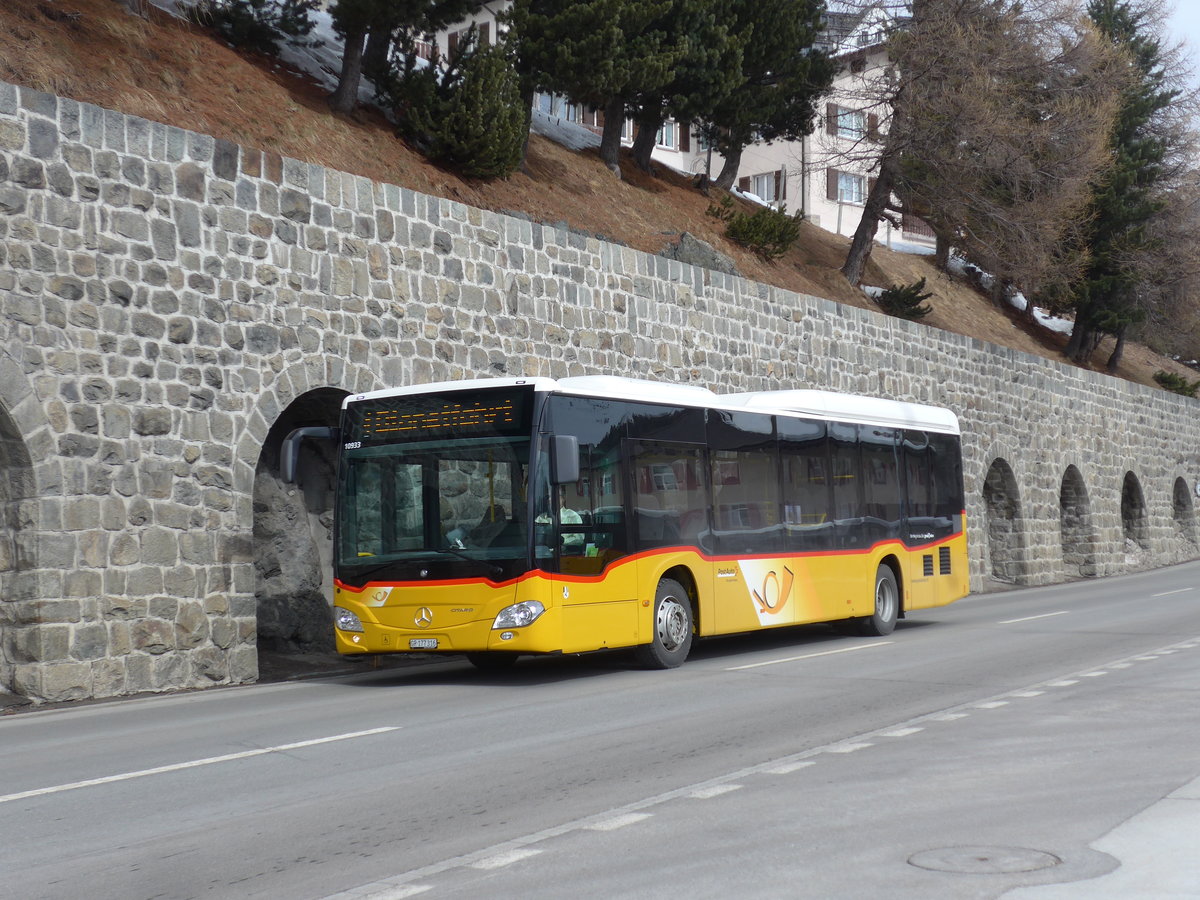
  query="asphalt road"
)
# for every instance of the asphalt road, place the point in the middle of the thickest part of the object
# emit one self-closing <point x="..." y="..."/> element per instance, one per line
<point x="1042" y="742"/>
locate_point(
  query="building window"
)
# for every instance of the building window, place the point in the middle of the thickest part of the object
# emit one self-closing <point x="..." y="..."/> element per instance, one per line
<point x="627" y="131"/>
<point x="851" y="123"/>
<point x="667" y="136"/>
<point x="851" y="188"/>
<point x="845" y="187"/>
<point x="765" y="186"/>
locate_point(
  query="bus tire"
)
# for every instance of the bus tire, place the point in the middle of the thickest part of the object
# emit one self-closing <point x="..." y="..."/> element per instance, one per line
<point x="497" y="661"/>
<point x="887" y="605"/>
<point x="673" y="627"/>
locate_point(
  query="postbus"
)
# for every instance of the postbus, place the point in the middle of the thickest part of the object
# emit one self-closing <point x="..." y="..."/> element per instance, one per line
<point x="503" y="517"/>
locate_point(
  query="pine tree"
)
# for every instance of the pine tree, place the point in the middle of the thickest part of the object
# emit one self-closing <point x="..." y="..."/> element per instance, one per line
<point x="707" y="70"/>
<point x="1127" y="198"/>
<point x="355" y="19"/>
<point x="595" y="52"/>
<point x="782" y="78"/>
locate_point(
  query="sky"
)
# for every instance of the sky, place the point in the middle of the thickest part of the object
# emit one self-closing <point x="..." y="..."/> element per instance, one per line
<point x="1184" y="25"/>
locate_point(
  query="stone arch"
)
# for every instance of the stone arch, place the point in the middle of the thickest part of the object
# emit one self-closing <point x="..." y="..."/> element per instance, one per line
<point x="1075" y="525"/>
<point x="24" y="437"/>
<point x="1134" y="521"/>
<point x="292" y="523"/>
<point x="1005" y="523"/>
<point x="1184" y="511"/>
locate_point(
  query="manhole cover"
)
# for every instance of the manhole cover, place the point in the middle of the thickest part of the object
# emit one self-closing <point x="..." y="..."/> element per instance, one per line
<point x="984" y="860"/>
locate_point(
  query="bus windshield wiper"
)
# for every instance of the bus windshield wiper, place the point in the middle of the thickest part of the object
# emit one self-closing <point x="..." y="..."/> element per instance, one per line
<point x="492" y="569"/>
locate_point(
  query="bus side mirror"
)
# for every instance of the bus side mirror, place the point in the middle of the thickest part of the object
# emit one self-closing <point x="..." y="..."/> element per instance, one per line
<point x="564" y="458"/>
<point x="290" y="451"/>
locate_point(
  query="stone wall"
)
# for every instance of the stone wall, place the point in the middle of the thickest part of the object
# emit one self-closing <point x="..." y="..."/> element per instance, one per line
<point x="171" y="305"/>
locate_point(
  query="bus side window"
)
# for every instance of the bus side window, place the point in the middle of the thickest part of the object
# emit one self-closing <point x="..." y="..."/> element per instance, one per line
<point x="671" y="502"/>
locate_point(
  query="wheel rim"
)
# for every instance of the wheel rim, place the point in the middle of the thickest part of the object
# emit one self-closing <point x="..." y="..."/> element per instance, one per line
<point x="885" y="600"/>
<point x="673" y="624"/>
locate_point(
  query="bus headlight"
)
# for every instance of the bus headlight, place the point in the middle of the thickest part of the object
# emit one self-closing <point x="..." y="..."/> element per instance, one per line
<point x="344" y="620"/>
<point x="519" y="615"/>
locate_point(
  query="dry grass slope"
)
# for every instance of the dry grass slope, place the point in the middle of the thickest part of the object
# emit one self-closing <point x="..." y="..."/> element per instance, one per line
<point x="168" y="71"/>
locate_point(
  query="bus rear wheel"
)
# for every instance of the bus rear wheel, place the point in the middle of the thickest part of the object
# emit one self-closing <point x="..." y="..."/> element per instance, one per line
<point x="887" y="605"/>
<point x="672" y="628"/>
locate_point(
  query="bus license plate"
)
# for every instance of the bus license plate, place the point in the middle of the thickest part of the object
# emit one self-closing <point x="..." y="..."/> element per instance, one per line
<point x="422" y="644"/>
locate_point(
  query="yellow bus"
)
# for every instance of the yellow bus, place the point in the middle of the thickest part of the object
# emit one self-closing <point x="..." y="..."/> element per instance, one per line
<point x="518" y="516"/>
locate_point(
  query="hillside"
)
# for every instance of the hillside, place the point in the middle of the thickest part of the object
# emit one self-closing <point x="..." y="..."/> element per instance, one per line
<point x="165" y="70"/>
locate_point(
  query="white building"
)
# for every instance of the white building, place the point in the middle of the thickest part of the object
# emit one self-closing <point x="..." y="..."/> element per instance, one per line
<point x="826" y="175"/>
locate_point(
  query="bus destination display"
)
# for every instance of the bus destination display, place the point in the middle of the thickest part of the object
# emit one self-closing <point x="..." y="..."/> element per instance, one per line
<point x="421" y="417"/>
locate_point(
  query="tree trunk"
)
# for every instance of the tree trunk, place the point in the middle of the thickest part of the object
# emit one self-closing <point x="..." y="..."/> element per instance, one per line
<point x="527" y="105"/>
<point x="610" y="138"/>
<point x="941" y="253"/>
<point x="646" y="139"/>
<point x="345" y="96"/>
<point x="729" y="170"/>
<point x="864" y="234"/>
<point x="1080" y="338"/>
<point x="375" y="57"/>
<point x="1114" y="360"/>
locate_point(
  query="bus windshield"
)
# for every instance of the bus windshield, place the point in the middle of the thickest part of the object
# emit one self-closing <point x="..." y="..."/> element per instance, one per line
<point x="409" y="502"/>
<point x="434" y="487"/>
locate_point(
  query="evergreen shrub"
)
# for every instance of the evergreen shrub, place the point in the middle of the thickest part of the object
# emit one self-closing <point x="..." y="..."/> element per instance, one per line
<point x="257" y="25"/>
<point x="904" y="300"/>
<point x="1177" y="383"/>
<point x="468" y="114"/>
<point x="768" y="232"/>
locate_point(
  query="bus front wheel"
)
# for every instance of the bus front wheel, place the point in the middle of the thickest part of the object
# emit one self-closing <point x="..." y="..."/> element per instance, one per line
<point x="672" y="628"/>
<point x="887" y="605"/>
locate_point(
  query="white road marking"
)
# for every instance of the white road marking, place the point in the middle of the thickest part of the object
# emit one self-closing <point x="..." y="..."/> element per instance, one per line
<point x="630" y="813"/>
<point x="716" y="790"/>
<point x="772" y="662"/>
<point x="901" y="732"/>
<point x="1169" y="593"/>
<point x="192" y="764"/>
<point x="1094" y="674"/>
<point x="1031" y="618"/>
<point x="991" y="704"/>
<point x="500" y="860"/>
<point x="615" y="822"/>
<point x="789" y="768"/>
<point x="847" y="748"/>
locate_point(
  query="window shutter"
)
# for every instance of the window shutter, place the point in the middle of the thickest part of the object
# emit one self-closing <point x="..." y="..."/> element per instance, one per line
<point x="485" y="29"/>
<point x="744" y="184"/>
<point x="599" y="114"/>
<point x="872" y="127"/>
<point x="782" y="184"/>
<point x="778" y="185"/>
<point x="870" y="185"/>
<point x="831" y="117"/>
<point x="831" y="180"/>
<point x="451" y="43"/>
<point x="685" y="138"/>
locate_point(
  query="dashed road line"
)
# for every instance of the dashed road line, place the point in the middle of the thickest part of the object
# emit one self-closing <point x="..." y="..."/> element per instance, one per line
<point x="715" y="790"/>
<point x="500" y="860"/>
<point x="616" y="822"/>
<point x="522" y="848"/>
<point x="900" y="732"/>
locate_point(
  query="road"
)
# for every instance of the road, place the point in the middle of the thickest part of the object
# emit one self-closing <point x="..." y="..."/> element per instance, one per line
<point x="1039" y="744"/>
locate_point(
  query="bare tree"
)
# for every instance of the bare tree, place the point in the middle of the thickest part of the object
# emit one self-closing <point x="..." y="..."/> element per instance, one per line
<point x="999" y="111"/>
